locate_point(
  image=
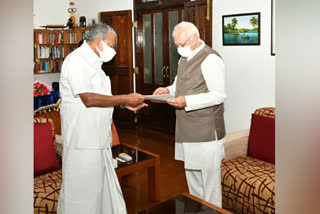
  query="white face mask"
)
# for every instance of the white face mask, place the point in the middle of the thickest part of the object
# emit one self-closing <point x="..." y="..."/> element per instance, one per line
<point x="185" y="51"/>
<point x="107" y="53"/>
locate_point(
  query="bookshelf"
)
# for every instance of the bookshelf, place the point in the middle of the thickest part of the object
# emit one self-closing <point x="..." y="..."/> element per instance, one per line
<point x="51" y="46"/>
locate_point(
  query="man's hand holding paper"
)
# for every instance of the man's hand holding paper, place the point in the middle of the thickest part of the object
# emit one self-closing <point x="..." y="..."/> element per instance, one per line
<point x="179" y="102"/>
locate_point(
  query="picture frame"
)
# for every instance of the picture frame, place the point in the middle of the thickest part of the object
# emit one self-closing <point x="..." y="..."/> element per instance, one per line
<point x="241" y="29"/>
<point x="273" y="23"/>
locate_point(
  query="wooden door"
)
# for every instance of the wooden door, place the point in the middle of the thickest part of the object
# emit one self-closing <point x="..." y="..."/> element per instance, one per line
<point x="199" y="12"/>
<point x="120" y="67"/>
<point x="157" y="59"/>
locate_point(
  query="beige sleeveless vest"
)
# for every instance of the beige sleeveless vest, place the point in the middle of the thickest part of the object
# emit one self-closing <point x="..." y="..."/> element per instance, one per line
<point x="199" y="125"/>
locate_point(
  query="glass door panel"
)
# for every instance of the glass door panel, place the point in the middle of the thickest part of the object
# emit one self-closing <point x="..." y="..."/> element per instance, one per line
<point x="158" y="48"/>
<point x="147" y="52"/>
<point x="173" y="54"/>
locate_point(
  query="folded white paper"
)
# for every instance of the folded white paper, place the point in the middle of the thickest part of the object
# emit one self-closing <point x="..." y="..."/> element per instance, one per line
<point x="163" y="98"/>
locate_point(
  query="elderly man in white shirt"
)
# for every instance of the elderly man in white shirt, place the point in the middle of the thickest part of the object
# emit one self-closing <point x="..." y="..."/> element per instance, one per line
<point x="90" y="184"/>
<point x="199" y="90"/>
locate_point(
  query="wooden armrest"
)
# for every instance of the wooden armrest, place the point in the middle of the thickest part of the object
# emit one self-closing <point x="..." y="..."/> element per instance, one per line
<point x="58" y="144"/>
<point x="236" y="144"/>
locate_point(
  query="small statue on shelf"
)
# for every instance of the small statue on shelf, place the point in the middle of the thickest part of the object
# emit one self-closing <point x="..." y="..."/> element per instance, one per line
<point x="70" y="23"/>
<point x="72" y="10"/>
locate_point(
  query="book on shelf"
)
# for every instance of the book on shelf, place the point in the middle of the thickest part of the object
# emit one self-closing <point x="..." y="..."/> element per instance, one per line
<point x="84" y="35"/>
<point x="40" y="38"/>
<point x="72" y="38"/>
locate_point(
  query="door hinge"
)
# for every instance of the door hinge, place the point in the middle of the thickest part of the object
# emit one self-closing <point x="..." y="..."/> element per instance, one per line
<point x="136" y="70"/>
<point x="208" y="10"/>
<point x="135" y="24"/>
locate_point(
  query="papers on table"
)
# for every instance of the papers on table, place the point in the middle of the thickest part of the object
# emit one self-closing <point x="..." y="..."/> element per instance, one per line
<point x="163" y="98"/>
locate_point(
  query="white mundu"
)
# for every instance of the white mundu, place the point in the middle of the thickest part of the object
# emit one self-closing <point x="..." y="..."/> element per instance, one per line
<point x="90" y="184"/>
<point x="202" y="161"/>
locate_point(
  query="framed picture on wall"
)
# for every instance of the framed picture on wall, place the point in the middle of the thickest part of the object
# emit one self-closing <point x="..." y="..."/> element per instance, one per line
<point x="241" y="29"/>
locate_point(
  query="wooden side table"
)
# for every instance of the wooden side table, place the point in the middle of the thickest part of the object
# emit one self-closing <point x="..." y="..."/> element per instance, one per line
<point x="141" y="160"/>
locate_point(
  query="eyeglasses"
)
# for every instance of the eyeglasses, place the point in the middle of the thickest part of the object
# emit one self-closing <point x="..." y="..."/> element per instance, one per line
<point x="184" y="44"/>
<point x="111" y="46"/>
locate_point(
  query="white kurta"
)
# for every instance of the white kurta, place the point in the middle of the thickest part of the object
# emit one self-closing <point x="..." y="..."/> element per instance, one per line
<point x="202" y="160"/>
<point x="90" y="184"/>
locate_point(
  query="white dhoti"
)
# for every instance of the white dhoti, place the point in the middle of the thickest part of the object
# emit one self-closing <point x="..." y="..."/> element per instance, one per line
<point x="202" y="162"/>
<point x="90" y="184"/>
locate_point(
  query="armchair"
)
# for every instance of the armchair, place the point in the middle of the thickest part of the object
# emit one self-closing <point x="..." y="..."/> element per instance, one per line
<point x="248" y="173"/>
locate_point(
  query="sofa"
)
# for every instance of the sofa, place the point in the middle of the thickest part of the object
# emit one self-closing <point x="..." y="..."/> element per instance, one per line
<point x="248" y="171"/>
<point x="47" y="158"/>
<point x="47" y="169"/>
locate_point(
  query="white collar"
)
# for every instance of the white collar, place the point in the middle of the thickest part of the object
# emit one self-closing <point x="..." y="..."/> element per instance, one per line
<point x="91" y="56"/>
<point x="195" y="51"/>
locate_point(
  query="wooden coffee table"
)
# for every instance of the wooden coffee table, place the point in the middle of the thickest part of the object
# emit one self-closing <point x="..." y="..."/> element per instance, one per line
<point x="141" y="160"/>
<point x="185" y="203"/>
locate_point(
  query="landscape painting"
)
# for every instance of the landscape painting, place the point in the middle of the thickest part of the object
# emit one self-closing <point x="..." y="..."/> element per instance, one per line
<point x="241" y="29"/>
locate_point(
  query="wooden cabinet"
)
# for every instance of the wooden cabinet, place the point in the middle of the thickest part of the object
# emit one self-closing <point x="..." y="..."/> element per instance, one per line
<point x="52" y="46"/>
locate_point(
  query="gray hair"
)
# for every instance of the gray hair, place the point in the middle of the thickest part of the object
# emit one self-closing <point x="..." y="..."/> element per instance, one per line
<point x="101" y="31"/>
<point x="187" y="27"/>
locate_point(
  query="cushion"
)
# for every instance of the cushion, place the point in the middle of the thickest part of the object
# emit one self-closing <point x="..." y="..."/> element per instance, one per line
<point x="262" y="138"/>
<point x="236" y="144"/>
<point x="45" y="158"/>
<point x="248" y="185"/>
<point x="45" y="120"/>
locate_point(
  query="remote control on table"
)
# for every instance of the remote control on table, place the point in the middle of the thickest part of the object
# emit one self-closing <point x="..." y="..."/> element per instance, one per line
<point x="125" y="157"/>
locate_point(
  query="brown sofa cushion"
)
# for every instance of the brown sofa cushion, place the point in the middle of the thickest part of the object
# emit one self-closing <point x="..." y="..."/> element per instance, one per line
<point x="248" y="185"/>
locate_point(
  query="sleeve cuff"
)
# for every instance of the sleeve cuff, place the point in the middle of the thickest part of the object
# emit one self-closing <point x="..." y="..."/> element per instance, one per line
<point x="171" y="91"/>
<point x="187" y="108"/>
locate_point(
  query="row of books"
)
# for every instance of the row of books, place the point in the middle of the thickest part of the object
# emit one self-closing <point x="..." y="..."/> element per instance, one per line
<point x="52" y="51"/>
<point x="51" y="38"/>
<point x="50" y="66"/>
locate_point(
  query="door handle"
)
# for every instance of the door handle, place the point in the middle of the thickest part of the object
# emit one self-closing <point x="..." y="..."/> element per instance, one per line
<point x="167" y="74"/>
<point x="163" y="70"/>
